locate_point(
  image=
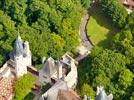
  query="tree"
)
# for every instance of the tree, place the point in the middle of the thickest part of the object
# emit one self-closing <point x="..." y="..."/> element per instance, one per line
<point x="108" y="62"/>
<point x="56" y="45"/>
<point x="2" y="59"/>
<point x="70" y="35"/>
<point x="101" y="80"/>
<point x="16" y="10"/>
<point x="115" y="11"/>
<point x="7" y="30"/>
<point x="86" y="3"/>
<point x="96" y="51"/>
<point x="87" y="90"/>
<point x="125" y="78"/>
<point x="23" y="86"/>
<point x="130" y="22"/>
<point x="36" y="21"/>
<point x="132" y="97"/>
<point x="123" y="42"/>
<point x="106" y="67"/>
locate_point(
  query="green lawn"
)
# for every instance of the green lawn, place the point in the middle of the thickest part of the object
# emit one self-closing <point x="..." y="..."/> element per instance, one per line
<point x="100" y="29"/>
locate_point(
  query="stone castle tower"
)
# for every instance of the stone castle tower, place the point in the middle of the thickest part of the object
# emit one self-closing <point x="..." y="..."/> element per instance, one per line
<point x="21" y="54"/>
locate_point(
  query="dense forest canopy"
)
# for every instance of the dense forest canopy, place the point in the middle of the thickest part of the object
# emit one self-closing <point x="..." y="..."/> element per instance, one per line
<point x="115" y="11"/>
<point x="48" y="25"/>
<point x="109" y="69"/>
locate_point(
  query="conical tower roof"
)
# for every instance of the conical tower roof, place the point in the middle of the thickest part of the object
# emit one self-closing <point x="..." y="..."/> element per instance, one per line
<point x="101" y="94"/>
<point x="49" y="67"/>
<point x="18" y="46"/>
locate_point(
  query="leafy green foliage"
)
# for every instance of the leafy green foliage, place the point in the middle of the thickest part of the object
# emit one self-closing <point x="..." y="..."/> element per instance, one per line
<point x="108" y="61"/>
<point x="56" y="45"/>
<point x="7" y="30"/>
<point x="123" y="42"/>
<point x="115" y="11"/>
<point x="23" y="86"/>
<point x="48" y="25"/>
<point x="86" y="3"/>
<point x="87" y="90"/>
<point x="106" y="68"/>
<point x="112" y="68"/>
<point x="132" y="97"/>
<point x="125" y="78"/>
<point x="130" y="22"/>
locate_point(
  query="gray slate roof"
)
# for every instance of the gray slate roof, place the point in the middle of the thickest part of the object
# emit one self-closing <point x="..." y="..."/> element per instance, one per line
<point x="52" y="93"/>
<point x="49" y="67"/>
<point x="18" y="46"/>
<point x="101" y="95"/>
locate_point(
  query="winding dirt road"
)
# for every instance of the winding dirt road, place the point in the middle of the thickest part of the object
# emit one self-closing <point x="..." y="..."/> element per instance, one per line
<point x="84" y="39"/>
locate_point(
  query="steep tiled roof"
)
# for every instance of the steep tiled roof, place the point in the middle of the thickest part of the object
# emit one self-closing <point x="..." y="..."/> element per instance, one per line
<point x="49" y="67"/>
<point x="18" y="46"/>
<point x="67" y="95"/>
<point x="60" y="91"/>
<point x="6" y="88"/>
<point x="52" y="93"/>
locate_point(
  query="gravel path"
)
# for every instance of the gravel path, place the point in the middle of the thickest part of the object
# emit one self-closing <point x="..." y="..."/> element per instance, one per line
<point x="83" y="33"/>
<point x="84" y="38"/>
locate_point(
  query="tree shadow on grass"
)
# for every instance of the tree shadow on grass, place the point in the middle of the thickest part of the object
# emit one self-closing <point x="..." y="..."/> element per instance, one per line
<point x="106" y="43"/>
<point x="103" y="21"/>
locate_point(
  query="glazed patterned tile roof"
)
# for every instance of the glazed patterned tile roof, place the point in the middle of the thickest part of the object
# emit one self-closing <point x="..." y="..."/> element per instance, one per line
<point x="6" y="88"/>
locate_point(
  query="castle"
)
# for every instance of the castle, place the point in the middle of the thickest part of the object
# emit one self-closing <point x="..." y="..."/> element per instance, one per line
<point x="61" y="74"/>
<point x="53" y="70"/>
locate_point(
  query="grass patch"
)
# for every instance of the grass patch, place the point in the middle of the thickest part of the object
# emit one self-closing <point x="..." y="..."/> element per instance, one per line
<point x="99" y="28"/>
